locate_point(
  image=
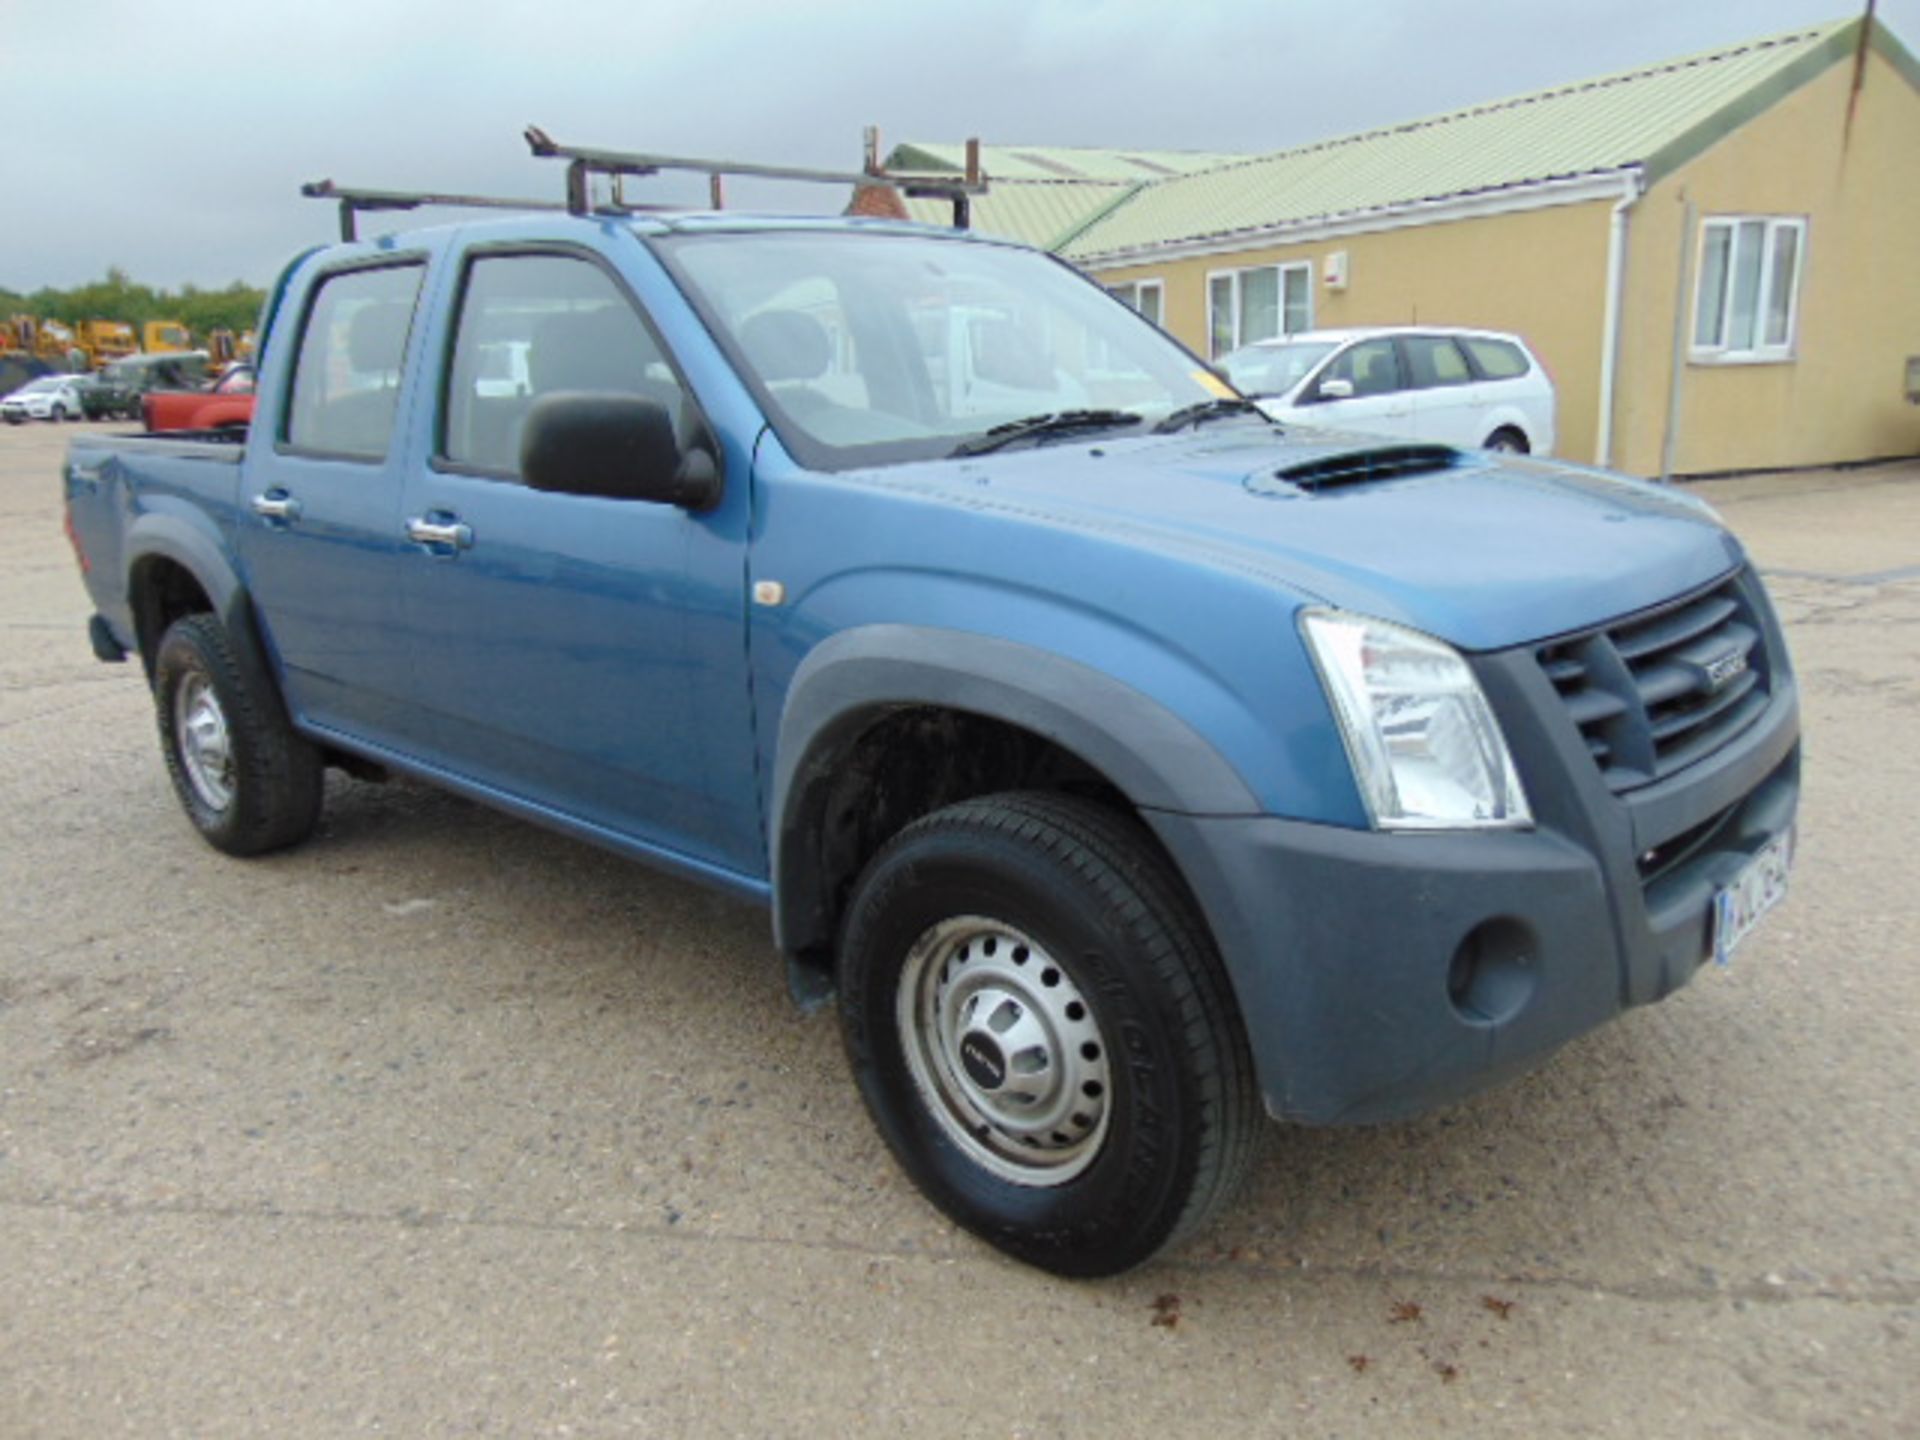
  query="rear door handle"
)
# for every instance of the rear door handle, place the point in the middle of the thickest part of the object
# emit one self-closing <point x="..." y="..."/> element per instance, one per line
<point x="276" y="504"/>
<point x="449" y="533"/>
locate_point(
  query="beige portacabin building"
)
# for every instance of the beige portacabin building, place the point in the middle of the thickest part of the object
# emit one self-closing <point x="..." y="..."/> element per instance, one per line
<point x="1752" y="214"/>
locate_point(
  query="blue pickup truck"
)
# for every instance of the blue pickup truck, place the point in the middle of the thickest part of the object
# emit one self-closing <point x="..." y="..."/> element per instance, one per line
<point x="1122" y="763"/>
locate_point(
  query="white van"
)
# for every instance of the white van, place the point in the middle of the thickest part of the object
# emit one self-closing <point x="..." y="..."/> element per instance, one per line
<point x="1469" y="388"/>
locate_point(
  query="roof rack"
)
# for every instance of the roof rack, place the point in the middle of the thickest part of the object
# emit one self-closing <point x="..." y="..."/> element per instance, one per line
<point x="353" y="201"/>
<point x="583" y="163"/>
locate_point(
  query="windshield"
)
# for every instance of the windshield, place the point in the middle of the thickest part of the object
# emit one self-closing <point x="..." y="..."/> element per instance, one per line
<point x="41" y="386"/>
<point x="1274" y="369"/>
<point x="873" y="349"/>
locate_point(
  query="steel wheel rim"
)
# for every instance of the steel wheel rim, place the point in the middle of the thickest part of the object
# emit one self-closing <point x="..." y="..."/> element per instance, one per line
<point x="204" y="743"/>
<point x="1005" y="1051"/>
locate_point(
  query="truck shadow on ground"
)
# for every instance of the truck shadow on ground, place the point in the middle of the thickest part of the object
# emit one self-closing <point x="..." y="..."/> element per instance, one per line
<point x="1562" y="1174"/>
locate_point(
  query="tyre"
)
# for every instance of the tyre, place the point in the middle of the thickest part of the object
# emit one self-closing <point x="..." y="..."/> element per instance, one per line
<point x="59" y="414"/>
<point x="1507" y="441"/>
<point x="1041" y="1029"/>
<point x="248" y="783"/>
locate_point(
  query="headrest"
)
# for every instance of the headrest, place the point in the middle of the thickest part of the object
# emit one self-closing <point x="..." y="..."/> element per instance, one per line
<point x="377" y="336"/>
<point x="786" y="345"/>
<point x="603" y="350"/>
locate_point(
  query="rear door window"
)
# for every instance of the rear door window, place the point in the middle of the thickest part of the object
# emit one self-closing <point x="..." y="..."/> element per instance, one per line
<point x="1434" y="361"/>
<point x="346" y="381"/>
<point x="1496" y="359"/>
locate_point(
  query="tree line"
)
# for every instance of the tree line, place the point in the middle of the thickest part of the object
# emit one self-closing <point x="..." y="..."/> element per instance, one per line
<point x="119" y="297"/>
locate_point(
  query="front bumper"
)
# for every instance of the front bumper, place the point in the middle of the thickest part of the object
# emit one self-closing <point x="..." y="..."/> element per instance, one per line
<point x="1382" y="974"/>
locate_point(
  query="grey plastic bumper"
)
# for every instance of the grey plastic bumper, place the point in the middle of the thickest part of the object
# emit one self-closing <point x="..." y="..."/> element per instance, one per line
<point x="1380" y="975"/>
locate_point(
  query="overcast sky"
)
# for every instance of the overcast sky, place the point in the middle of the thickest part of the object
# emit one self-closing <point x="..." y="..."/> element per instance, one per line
<point x="170" y="140"/>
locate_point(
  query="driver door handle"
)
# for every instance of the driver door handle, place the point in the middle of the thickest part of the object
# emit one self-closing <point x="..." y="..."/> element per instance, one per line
<point x="449" y="532"/>
<point x="276" y="505"/>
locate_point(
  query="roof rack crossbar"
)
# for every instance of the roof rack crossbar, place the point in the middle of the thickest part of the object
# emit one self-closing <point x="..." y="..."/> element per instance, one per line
<point x="584" y="162"/>
<point x="354" y="200"/>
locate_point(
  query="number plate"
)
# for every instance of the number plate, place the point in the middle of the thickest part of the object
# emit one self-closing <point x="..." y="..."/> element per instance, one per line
<point x="1755" y="890"/>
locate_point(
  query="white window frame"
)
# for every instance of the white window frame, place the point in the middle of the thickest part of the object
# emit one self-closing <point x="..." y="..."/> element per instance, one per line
<point x="1721" y="352"/>
<point x="1234" y="278"/>
<point x="1129" y="293"/>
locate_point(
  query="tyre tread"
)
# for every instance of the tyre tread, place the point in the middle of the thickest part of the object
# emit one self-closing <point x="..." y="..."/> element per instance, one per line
<point x="277" y="800"/>
<point x="1118" y="859"/>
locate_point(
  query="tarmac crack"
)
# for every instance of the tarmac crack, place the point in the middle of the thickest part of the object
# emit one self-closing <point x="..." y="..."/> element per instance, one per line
<point x="57" y="711"/>
<point x="1895" y="1293"/>
<point x="1798" y="492"/>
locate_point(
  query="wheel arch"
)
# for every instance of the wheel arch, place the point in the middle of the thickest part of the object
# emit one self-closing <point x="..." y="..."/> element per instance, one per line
<point x="1509" y="419"/>
<point x="174" y="569"/>
<point x="994" y="712"/>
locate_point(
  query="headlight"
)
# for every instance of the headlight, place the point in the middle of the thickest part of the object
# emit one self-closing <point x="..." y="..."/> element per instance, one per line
<point x="1426" y="750"/>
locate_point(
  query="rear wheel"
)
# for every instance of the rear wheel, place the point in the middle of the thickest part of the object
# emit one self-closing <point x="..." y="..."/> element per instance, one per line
<point x="1042" y="1032"/>
<point x="247" y="782"/>
<point x="1507" y="441"/>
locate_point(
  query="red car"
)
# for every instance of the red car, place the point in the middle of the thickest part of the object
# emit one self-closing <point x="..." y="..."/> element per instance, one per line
<point x="226" y="404"/>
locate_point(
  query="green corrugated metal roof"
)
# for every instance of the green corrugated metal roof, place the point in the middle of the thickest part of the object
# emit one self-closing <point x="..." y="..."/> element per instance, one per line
<point x="1044" y="194"/>
<point x="1057" y="162"/>
<point x="1045" y="215"/>
<point x="1656" y="118"/>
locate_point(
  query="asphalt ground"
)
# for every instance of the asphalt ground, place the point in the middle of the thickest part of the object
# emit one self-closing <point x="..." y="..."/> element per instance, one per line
<point x="442" y="1124"/>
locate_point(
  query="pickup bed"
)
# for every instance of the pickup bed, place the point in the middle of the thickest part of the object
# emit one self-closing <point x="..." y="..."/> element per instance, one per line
<point x="1118" y="759"/>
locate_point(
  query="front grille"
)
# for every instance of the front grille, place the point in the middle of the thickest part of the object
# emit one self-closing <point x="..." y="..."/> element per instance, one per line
<point x="1653" y="693"/>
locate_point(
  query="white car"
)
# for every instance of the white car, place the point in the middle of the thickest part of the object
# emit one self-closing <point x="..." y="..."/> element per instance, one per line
<point x="1458" y="387"/>
<point x="51" y="397"/>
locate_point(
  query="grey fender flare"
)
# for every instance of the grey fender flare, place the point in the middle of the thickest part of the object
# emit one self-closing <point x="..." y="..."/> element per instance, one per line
<point x="1155" y="758"/>
<point x="198" y="552"/>
<point x="161" y="536"/>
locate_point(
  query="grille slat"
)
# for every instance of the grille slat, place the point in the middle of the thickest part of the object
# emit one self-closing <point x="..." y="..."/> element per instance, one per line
<point x="1669" y="632"/>
<point x="1590" y="707"/>
<point x="1658" y="691"/>
<point x="1704" y="742"/>
<point x="1681" y="721"/>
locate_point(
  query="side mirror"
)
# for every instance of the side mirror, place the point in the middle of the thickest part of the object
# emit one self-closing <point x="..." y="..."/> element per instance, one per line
<point x="1335" y="389"/>
<point x="619" y="447"/>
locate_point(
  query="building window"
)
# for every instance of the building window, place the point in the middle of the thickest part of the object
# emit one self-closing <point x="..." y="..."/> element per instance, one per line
<point x="1143" y="295"/>
<point x="1248" y="305"/>
<point x="1746" y="305"/>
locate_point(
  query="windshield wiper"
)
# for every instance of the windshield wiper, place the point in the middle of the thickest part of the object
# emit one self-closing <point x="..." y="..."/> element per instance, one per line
<point x="1053" y="422"/>
<point x="1198" y="414"/>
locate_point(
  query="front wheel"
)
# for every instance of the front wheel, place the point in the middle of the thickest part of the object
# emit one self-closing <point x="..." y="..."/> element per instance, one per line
<point x="247" y="781"/>
<point x="1507" y="441"/>
<point x="59" y="414"/>
<point x="1043" y="1034"/>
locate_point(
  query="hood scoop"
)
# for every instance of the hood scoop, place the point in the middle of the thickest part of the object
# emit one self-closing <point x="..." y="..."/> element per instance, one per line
<point x="1340" y="469"/>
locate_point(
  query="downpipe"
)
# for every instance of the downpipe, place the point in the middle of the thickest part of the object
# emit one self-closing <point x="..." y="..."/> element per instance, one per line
<point x="1610" y="330"/>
